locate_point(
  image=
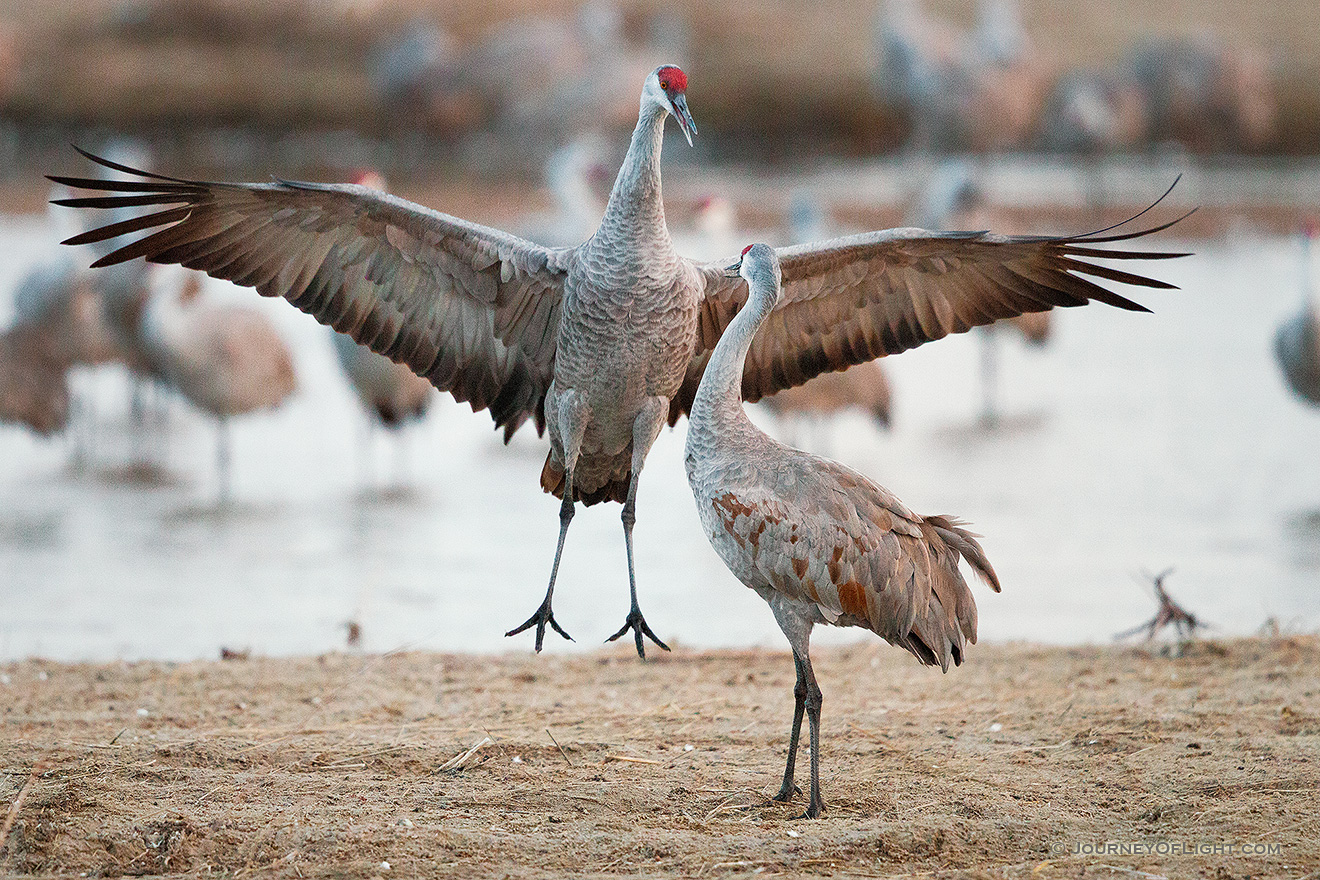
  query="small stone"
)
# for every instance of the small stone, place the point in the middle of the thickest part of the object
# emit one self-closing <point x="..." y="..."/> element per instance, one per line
<point x="996" y="727"/>
<point x="384" y="866"/>
<point x="143" y="713"/>
<point x="687" y="747"/>
<point x="792" y="833"/>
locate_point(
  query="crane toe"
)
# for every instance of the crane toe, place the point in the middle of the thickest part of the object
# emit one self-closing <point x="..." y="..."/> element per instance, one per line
<point x="637" y="623"/>
<point x="540" y="619"/>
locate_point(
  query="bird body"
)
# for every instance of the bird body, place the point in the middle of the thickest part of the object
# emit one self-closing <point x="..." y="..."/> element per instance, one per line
<point x="604" y="342"/>
<point x="59" y="322"/>
<point x="390" y="390"/>
<point x="34" y="390"/>
<point x="818" y="541"/>
<point x="1297" y="341"/>
<point x="226" y="360"/>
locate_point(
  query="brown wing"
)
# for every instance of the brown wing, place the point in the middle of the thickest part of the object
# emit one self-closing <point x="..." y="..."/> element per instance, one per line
<point x="851" y="300"/>
<point x="473" y="309"/>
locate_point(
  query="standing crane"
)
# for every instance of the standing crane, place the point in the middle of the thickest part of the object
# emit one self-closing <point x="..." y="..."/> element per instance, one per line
<point x="226" y="360"/>
<point x="816" y="540"/>
<point x="603" y="342"/>
<point x="1297" y="341"/>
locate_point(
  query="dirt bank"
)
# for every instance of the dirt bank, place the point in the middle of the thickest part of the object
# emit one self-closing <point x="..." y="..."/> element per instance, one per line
<point x="1020" y="764"/>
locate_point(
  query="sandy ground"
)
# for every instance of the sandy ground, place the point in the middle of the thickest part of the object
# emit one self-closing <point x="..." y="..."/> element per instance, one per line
<point x="1028" y="762"/>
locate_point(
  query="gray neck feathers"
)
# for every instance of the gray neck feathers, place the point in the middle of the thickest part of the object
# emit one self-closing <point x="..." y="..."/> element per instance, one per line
<point x="635" y="212"/>
<point x="718" y="403"/>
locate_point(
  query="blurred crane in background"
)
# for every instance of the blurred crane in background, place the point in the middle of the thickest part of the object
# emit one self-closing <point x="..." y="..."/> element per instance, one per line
<point x="982" y="90"/>
<point x="392" y="394"/>
<point x="1297" y="342"/>
<point x="225" y="360"/>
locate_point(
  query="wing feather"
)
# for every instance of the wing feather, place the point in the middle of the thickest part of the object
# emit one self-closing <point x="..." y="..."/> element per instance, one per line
<point x="853" y="299"/>
<point x="473" y="309"/>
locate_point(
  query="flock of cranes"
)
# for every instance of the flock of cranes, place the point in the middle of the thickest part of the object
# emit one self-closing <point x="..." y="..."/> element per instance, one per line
<point x="605" y="342"/>
<point x="990" y="88"/>
<point x="602" y="339"/>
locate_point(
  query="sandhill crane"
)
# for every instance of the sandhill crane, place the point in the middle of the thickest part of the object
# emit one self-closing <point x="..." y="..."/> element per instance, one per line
<point x="34" y="390"/>
<point x="864" y="387"/>
<point x="1093" y="112"/>
<point x="1297" y="341"/>
<point x="390" y="391"/>
<point x="226" y="360"/>
<point x="606" y="341"/>
<point x="983" y="90"/>
<point x="818" y="541"/>
<point x="1204" y="92"/>
<point x="58" y="323"/>
<point x="570" y="175"/>
<point x="532" y="81"/>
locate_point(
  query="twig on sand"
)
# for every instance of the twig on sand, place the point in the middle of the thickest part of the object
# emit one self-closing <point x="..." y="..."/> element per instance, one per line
<point x="558" y="746"/>
<point x="460" y="762"/>
<point x="1169" y="613"/>
<point x="17" y="805"/>
<point x="630" y="760"/>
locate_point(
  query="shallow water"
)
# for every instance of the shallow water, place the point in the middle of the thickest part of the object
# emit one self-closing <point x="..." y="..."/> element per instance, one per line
<point x="1132" y="443"/>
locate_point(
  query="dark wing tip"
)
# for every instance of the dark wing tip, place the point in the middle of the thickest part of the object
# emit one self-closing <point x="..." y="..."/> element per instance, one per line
<point x="124" y="169"/>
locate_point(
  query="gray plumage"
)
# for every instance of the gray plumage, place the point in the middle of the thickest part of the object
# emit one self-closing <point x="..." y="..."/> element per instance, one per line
<point x="605" y="341"/>
<point x="818" y="541"/>
<point x="1297" y="341"/>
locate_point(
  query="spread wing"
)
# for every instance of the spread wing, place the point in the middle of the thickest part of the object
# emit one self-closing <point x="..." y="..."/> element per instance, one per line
<point x="473" y="309"/>
<point x="851" y="300"/>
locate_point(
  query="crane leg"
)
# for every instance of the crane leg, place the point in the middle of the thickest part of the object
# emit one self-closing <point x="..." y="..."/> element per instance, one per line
<point x="989" y="376"/>
<point x="222" y="458"/>
<point x="807" y="698"/>
<point x="544" y="615"/>
<point x="788" y="789"/>
<point x="646" y="427"/>
<point x="815" y="806"/>
<point x="572" y="419"/>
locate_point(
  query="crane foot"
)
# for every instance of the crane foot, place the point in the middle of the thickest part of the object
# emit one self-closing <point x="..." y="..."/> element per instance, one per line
<point x="786" y="794"/>
<point x="637" y="624"/>
<point x="542" y="617"/>
<point x="814" y="811"/>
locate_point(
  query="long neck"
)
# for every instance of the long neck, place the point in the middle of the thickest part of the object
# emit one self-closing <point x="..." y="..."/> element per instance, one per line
<point x="635" y="210"/>
<point x="718" y="404"/>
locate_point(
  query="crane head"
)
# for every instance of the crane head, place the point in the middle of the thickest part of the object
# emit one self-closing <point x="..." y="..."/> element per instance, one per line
<point x="759" y="267"/>
<point x="669" y="86"/>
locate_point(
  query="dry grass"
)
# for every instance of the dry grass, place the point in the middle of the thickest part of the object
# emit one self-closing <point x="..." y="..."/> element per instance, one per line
<point x="602" y="766"/>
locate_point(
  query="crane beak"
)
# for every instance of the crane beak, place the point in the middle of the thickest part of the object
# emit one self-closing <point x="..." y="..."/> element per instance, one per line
<point x="733" y="271"/>
<point x="679" y="105"/>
